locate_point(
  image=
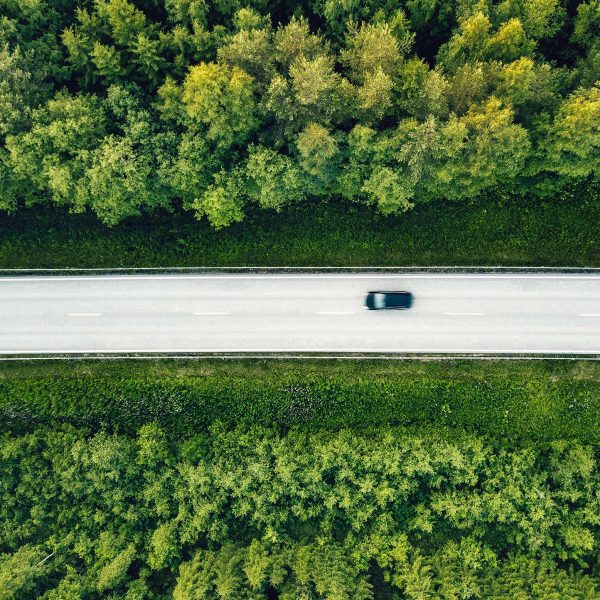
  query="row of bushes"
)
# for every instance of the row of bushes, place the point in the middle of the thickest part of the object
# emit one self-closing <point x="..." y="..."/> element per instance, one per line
<point x="535" y="401"/>
<point x="494" y="230"/>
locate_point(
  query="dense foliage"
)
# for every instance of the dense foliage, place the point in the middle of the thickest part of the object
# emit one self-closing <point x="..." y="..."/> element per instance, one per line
<point x="121" y="107"/>
<point x="514" y="402"/>
<point x="254" y="514"/>
<point x="491" y="230"/>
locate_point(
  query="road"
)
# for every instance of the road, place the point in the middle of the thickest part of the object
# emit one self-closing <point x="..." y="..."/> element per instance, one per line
<point x="452" y="313"/>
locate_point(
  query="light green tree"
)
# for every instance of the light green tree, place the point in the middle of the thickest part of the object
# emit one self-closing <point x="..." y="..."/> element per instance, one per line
<point x="222" y="98"/>
<point x="319" y="157"/>
<point x="223" y="200"/>
<point x="21" y="571"/>
<point x="573" y="145"/>
<point x="53" y="155"/>
<point x="274" y="180"/>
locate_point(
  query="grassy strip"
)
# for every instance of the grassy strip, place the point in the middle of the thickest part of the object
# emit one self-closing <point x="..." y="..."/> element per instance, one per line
<point x="490" y="231"/>
<point x="524" y="400"/>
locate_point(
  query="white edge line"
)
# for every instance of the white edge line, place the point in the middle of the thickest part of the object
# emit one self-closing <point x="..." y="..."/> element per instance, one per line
<point x="183" y="277"/>
<point x="341" y="312"/>
<point x="589" y="315"/>
<point x="84" y="314"/>
<point x="465" y="314"/>
<point x="211" y="313"/>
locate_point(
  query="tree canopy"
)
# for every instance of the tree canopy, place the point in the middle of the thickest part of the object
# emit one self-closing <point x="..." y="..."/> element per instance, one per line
<point x="121" y="107"/>
<point x="253" y="513"/>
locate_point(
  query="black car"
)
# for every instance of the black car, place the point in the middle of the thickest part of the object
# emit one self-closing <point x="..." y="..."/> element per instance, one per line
<point x="390" y="300"/>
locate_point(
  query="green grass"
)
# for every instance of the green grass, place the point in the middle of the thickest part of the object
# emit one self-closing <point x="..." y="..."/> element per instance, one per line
<point x="512" y="401"/>
<point x="490" y="231"/>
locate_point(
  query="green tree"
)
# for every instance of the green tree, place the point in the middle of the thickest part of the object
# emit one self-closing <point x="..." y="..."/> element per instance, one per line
<point x="190" y="171"/>
<point x="422" y="92"/>
<point x="375" y="97"/>
<point x="468" y="86"/>
<point x="118" y="181"/>
<point x="274" y="179"/>
<point x="587" y="24"/>
<point x="20" y="572"/>
<point x="115" y="41"/>
<point x="314" y="93"/>
<point x="318" y="156"/>
<point x="573" y="149"/>
<point x="539" y="18"/>
<point x="54" y="154"/>
<point x="222" y="98"/>
<point x="223" y="200"/>
<point x="107" y="62"/>
<point x="532" y="89"/>
<point x="295" y="40"/>
<point x="20" y="91"/>
<point x="251" y="48"/>
<point x="387" y="189"/>
<point x="482" y="149"/>
<point x="373" y="47"/>
<point x="475" y="41"/>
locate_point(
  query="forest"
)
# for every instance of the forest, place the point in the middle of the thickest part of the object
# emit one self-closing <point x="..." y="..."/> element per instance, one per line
<point x="123" y="108"/>
<point x="255" y="513"/>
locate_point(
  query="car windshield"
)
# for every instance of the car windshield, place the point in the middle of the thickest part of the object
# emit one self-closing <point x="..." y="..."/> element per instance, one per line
<point x="379" y="300"/>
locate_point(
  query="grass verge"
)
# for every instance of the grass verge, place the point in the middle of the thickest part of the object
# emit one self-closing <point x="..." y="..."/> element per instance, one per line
<point x="489" y="231"/>
<point x="513" y="401"/>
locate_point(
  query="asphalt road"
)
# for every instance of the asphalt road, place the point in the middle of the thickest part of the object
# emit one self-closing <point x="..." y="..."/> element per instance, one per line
<point x="487" y="313"/>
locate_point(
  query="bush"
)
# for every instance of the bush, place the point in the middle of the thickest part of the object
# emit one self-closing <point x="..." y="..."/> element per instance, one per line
<point x="494" y="230"/>
<point x="516" y="400"/>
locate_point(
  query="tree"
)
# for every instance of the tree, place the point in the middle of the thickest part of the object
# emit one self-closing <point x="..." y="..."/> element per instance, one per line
<point x="587" y="24"/>
<point x="318" y="157"/>
<point x="509" y="43"/>
<point x="468" y="44"/>
<point x="223" y="200"/>
<point x="20" y="572"/>
<point x="107" y="61"/>
<point x="274" y="179"/>
<point x="573" y="149"/>
<point x="251" y="48"/>
<point x="20" y="91"/>
<point x="314" y="93"/>
<point x="222" y="98"/>
<point x="54" y="154"/>
<point x="468" y="86"/>
<point x="532" y="89"/>
<point x="539" y="18"/>
<point x="386" y="188"/>
<point x="339" y="14"/>
<point x="120" y="182"/>
<point x="115" y="41"/>
<point x="372" y="48"/>
<point x="482" y="149"/>
<point x="375" y="97"/>
<point x="422" y="92"/>
<point x="304" y="512"/>
<point x="295" y="40"/>
<point x="475" y="42"/>
<point x="191" y="170"/>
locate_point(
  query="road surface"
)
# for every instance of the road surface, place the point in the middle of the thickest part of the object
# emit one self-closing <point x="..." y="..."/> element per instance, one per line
<point x="452" y="313"/>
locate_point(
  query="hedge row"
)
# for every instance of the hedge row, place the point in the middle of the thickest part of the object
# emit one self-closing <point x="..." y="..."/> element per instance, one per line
<point x="511" y="401"/>
<point x="493" y="230"/>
